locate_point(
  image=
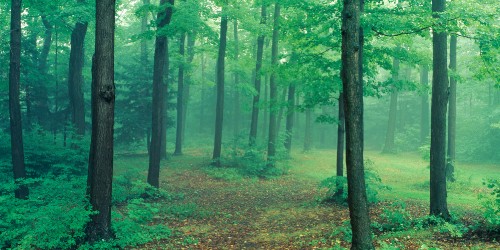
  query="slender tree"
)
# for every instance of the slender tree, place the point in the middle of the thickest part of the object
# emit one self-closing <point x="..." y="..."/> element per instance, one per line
<point x="191" y="39"/>
<point x="340" y="144"/>
<point x="389" y="146"/>
<point x="160" y="63"/>
<point x="219" y="110"/>
<point x="290" y="118"/>
<point x="258" y="78"/>
<point x="180" y="97"/>
<point x="100" y="170"/>
<point x="75" y="76"/>
<point x="308" y="130"/>
<point x="424" y="117"/>
<point x="352" y="54"/>
<point x="438" y="193"/>
<point x="236" y="105"/>
<point x="452" y="112"/>
<point x="40" y="95"/>
<point x="273" y="89"/>
<point x="16" y="130"/>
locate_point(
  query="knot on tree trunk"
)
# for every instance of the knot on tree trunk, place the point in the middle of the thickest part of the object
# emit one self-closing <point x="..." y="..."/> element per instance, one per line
<point x="107" y="93"/>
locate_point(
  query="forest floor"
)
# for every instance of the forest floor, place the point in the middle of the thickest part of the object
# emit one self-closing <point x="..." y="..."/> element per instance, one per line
<point x="221" y="211"/>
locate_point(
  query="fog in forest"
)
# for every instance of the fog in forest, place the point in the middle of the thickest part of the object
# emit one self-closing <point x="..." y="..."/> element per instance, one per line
<point x="249" y="124"/>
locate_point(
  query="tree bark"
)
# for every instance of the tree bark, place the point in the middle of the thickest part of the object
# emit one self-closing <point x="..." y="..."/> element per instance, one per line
<point x="340" y="144"/>
<point x="290" y="118"/>
<point x="100" y="170"/>
<point x="180" y="98"/>
<point x="352" y="48"/>
<point x="438" y="193"/>
<point x="258" y="78"/>
<point x="75" y="76"/>
<point x="160" y="66"/>
<point x="236" y="106"/>
<point x="219" y="111"/>
<point x="389" y="146"/>
<point x="273" y="89"/>
<point x="16" y="130"/>
<point x="452" y="112"/>
<point x="424" y="118"/>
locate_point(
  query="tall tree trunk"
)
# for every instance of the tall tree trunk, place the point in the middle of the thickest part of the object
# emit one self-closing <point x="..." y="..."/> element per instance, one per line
<point x="273" y="89"/>
<point x="281" y="101"/>
<point x="75" y="76"/>
<point x="191" y="39"/>
<point x="180" y="98"/>
<point x="452" y="113"/>
<point x="424" y="118"/>
<point x="236" y="106"/>
<point x="16" y="130"/>
<point x="258" y="78"/>
<point x="265" y="124"/>
<point x="389" y="146"/>
<point x="202" y="94"/>
<point x="41" y="105"/>
<point x="100" y="170"/>
<point x="352" y="54"/>
<point x="308" y="131"/>
<point x="144" y="62"/>
<point x="290" y="118"/>
<point x="438" y="193"/>
<point x="219" y="111"/>
<point x="160" y="66"/>
<point x="340" y="144"/>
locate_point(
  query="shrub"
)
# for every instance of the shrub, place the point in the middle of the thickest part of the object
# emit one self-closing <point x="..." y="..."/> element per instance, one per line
<point x="491" y="203"/>
<point x="394" y="218"/>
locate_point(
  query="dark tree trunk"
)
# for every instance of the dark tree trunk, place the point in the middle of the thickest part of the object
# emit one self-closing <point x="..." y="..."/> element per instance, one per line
<point x="160" y="66"/>
<point x="389" y="146"/>
<point x="258" y="77"/>
<point x="290" y="118"/>
<point x="308" y="131"/>
<point x="438" y="193"/>
<point x="452" y="113"/>
<point x="180" y="98"/>
<point x="265" y="123"/>
<point x="236" y="106"/>
<point x="187" y="81"/>
<point x="75" y="76"/>
<point x="273" y="90"/>
<point x="219" y="111"/>
<point x="16" y="130"/>
<point x="340" y="144"/>
<point x="100" y="176"/>
<point x="352" y="48"/>
<point x="424" y="118"/>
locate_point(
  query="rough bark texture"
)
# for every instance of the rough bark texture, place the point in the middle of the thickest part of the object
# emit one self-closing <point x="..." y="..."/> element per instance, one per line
<point x="75" y="76"/>
<point x="290" y="118"/>
<point x="438" y="193"/>
<point x="160" y="58"/>
<point x="258" y="77"/>
<point x="236" y="106"/>
<point x="100" y="170"/>
<point x="273" y="90"/>
<point x="340" y="143"/>
<point x="389" y="146"/>
<point x="424" y="114"/>
<point x="452" y="112"/>
<point x="16" y="130"/>
<point x="352" y="44"/>
<point x="219" y="111"/>
<point x="180" y="98"/>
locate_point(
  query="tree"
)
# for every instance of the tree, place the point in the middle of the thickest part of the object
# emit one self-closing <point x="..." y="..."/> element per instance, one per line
<point x="160" y="60"/>
<point x="75" y="77"/>
<point x="452" y="112"/>
<point x="100" y="170"/>
<point x="219" y="109"/>
<point x="424" y="117"/>
<point x="16" y="130"/>
<point x="340" y="143"/>
<point x="352" y="47"/>
<point x="438" y="193"/>
<point x="236" y="105"/>
<point x="389" y="146"/>
<point x="258" y="79"/>
<point x="180" y="98"/>
<point x="290" y="118"/>
<point x="273" y="89"/>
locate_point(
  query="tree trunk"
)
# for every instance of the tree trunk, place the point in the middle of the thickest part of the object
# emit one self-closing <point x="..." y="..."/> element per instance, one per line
<point x="424" y="118"/>
<point x="16" y="130"/>
<point x="281" y="101"/>
<point x="273" y="90"/>
<point x="180" y="98"/>
<point x="352" y="45"/>
<point x="438" y="204"/>
<point x="75" y="76"/>
<point x="265" y="124"/>
<point x="389" y="147"/>
<point x="160" y="66"/>
<point x="236" y="106"/>
<point x="258" y="78"/>
<point x="308" y="131"/>
<point x="40" y="106"/>
<point x="452" y="113"/>
<point x="191" y="39"/>
<point x="340" y="144"/>
<point x="100" y="170"/>
<point x="219" y="112"/>
<point x="144" y="62"/>
<point x="203" y="94"/>
<point x="290" y="118"/>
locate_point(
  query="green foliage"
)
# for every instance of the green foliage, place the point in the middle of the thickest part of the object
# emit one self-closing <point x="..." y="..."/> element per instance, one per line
<point x="373" y="185"/>
<point x="491" y="203"/>
<point x="343" y="231"/>
<point x="394" y="218"/>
